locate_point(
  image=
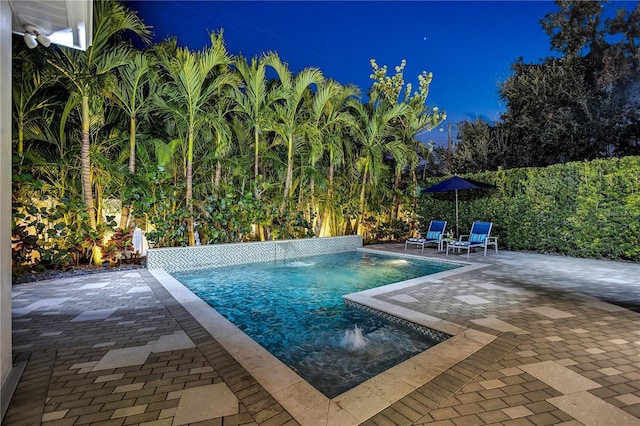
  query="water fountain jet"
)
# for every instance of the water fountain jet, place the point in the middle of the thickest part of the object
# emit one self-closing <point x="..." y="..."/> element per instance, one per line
<point x="354" y="340"/>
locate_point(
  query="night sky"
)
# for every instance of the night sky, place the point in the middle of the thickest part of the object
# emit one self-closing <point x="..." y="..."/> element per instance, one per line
<point x="468" y="45"/>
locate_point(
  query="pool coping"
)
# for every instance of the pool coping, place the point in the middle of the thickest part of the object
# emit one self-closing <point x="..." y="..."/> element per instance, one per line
<point x="308" y="405"/>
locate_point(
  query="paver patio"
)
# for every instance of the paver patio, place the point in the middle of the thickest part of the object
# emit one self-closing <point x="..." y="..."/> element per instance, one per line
<point x="118" y="349"/>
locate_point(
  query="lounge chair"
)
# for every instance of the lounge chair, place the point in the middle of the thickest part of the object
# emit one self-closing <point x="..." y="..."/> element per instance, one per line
<point x="478" y="237"/>
<point x="432" y="236"/>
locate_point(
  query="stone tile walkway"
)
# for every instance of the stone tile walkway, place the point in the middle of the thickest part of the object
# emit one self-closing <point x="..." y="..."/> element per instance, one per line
<point x="119" y="349"/>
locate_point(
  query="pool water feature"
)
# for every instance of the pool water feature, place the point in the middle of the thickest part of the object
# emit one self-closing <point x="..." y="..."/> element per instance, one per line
<point x="294" y="309"/>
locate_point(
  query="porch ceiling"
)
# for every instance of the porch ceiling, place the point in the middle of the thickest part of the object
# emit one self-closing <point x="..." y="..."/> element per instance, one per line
<point x="66" y="22"/>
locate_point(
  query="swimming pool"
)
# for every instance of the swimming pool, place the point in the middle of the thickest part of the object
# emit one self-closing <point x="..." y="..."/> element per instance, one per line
<point x="295" y="310"/>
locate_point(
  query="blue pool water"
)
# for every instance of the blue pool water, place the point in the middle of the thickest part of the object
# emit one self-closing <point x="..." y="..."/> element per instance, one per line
<point x="295" y="310"/>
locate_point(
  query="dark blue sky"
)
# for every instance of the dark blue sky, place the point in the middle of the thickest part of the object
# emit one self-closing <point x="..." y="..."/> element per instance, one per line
<point x="468" y="45"/>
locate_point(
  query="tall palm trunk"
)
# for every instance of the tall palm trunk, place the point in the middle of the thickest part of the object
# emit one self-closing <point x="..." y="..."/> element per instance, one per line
<point x="326" y="219"/>
<point x="218" y="176"/>
<point x="396" y="199"/>
<point x="313" y="217"/>
<point x="362" y="215"/>
<point x="97" y="192"/>
<point x="85" y="168"/>
<point x="20" y="139"/>
<point x="414" y="204"/>
<point x="256" y="170"/>
<point x="132" y="145"/>
<point x="190" y="227"/>
<point x="260" y="231"/>
<point x="289" y="179"/>
<point x="85" y="163"/>
<point x="331" y="176"/>
<point x="126" y="209"/>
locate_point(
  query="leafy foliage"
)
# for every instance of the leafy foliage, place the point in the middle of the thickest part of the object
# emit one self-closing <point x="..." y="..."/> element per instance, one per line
<point x="583" y="209"/>
<point x="581" y="104"/>
<point x="53" y="233"/>
<point x="118" y="247"/>
<point x="228" y="218"/>
<point x="203" y="146"/>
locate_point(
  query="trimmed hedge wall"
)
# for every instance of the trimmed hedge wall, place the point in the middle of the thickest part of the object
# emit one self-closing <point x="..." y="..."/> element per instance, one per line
<point x="582" y="209"/>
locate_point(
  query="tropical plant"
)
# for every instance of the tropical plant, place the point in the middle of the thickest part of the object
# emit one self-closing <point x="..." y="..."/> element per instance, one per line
<point x="199" y="144"/>
<point x="292" y="123"/>
<point x="332" y="120"/>
<point x="375" y="135"/>
<point x="131" y="95"/>
<point x="193" y="79"/>
<point x="89" y="74"/>
<point x="119" y="247"/>
<point x="33" y="107"/>
<point x="417" y="118"/>
<point x="254" y="99"/>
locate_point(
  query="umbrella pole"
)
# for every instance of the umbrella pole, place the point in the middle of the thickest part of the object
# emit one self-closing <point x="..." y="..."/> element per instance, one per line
<point x="457" y="232"/>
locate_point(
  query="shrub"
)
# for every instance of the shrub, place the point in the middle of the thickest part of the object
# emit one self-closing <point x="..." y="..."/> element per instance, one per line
<point x="583" y="209"/>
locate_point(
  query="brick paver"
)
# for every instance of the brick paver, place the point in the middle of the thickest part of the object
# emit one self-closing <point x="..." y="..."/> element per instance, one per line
<point x="571" y="312"/>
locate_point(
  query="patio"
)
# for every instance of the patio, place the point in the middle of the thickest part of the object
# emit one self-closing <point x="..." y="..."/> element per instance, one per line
<point x="118" y="349"/>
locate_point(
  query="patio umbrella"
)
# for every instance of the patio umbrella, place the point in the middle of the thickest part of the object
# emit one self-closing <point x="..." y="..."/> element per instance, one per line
<point x="456" y="184"/>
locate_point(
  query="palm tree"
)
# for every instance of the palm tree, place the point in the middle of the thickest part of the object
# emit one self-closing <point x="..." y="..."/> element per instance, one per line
<point x="254" y="100"/>
<point x="376" y="138"/>
<point x="131" y="95"/>
<point x="332" y="118"/>
<point x="106" y="164"/>
<point x="32" y="105"/>
<point x="222" y="135"/>
<point x="88" y="74"/>
<point x="240" y="159"/>
<point x="291" y="121"/>
<point x="193" y="80"/>
<point x="405" y="155"/>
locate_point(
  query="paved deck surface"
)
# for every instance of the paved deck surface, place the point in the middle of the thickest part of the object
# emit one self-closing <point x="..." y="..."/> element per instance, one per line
<point x="118" y="349"/>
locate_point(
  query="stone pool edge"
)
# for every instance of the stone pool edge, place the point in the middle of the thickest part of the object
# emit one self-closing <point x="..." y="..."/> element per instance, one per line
<point x="305" y="403"/>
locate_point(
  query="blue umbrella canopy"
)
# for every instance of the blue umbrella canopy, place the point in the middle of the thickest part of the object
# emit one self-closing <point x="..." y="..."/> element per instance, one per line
<point x="456" y="184"/>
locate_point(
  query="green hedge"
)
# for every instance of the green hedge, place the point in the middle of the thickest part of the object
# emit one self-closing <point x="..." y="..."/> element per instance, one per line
<point x="587" y="209"/>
